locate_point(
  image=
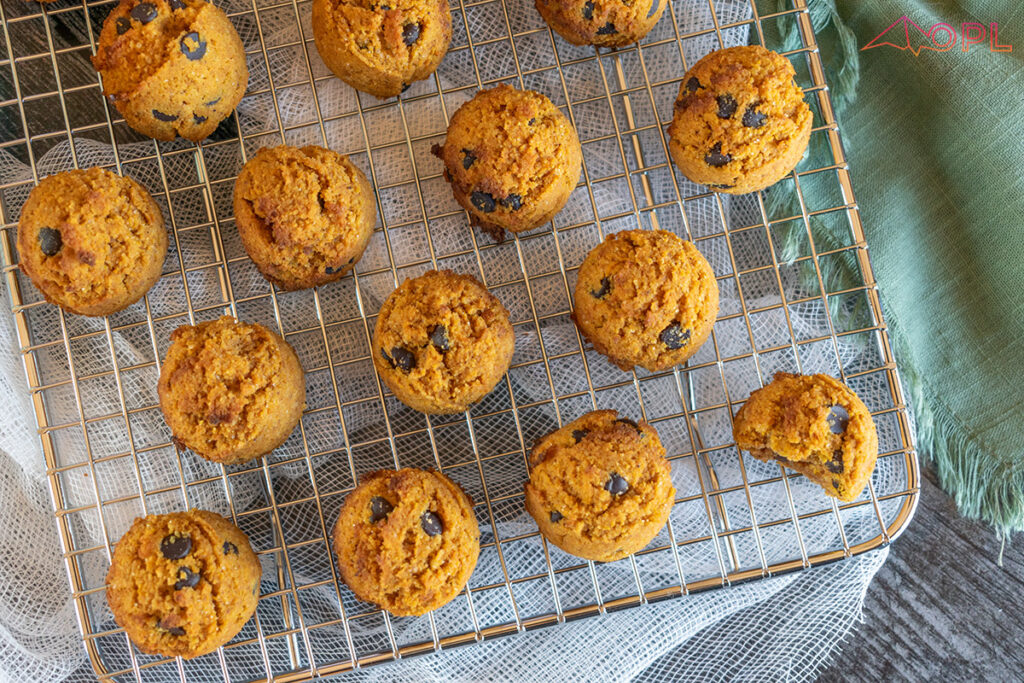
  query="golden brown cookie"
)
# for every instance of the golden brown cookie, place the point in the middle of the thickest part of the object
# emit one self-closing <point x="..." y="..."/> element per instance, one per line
<point x="740" y="121"/>
<point x="382" y="46"/>
<point x="407" y="540"/>
<point x="171" y="67"/>
<point x="230" y="391"/>
<point x="442" y="342"/>
<point x="92" y="241"/>
<point x="647" y="298"/>
<point x="304" y="214"/>
<point x="606" y="23"/>
<point x="814" y="425"/>
<point x="600" y="487"/>
<point x="512" y="159"/>
<point x="183" y="584"/>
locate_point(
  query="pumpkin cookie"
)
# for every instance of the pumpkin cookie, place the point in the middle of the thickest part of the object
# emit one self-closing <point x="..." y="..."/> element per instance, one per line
<point x="171" y="67"/>
<point x="740" y="121"/>
<point x="183" y="584"/>
<point x="600" y="487"/>
<point x="605" y="23"/>
<point x="442" y="342"/>
<point x="382" y="46"/>
<point x="407" y="540"/>
<point x="647" y="298"/>
<point x="512" y="159"/>
<point x="230" y="391"/>
<point x="304" y="214"/>
<point x="92" y="241"/>
<point x="814" y="425"/>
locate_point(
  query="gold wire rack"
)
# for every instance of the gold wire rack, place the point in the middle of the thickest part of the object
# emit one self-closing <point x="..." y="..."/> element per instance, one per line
<point x="782" y="310"/>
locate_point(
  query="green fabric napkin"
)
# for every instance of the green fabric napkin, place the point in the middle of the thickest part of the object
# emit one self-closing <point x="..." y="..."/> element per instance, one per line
<point x="936" y="149"/>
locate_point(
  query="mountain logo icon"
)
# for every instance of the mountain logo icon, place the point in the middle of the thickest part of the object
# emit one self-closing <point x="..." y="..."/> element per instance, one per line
<point x="907" y="34"/>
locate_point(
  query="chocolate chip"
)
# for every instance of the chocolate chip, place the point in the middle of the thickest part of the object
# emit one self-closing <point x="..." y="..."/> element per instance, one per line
<point x="606" y="286"/>
<point x="230" y="548"/>
<point x="753" y="118"/>
<point x="385" y="7"/>
<point x="402" y="359"/>
<point x="123" y="24"/>
<point x="588" y="10"/>
<point x="50" y="241"/>
<point x="483" y="201"/>
<point x="410" y="33"/>
<point x="616" y="485"/>
<point x="144" y="12"/>
<point x="556" y="516"/>
<point x="186" y="578"/>
<point x="160" y="116"/>
<point x="405" y="86"/>
<point x="835" y="484"/>
<point x="531" y="121"/>
<point x="331" y="270"/>
<point x="715" y="156"/>
<point x="192" y="47"/>
<point x="173" y="630"/>
<point x="198" y="119"/>
<point x="692" y="85"/>
<point x="439" y="337"/>
<point x="835" y="465"/>
<point x="579" y="434"/>
<point x="607" y="30"/>
<point x="513" y="202"/>
<point x="634" y="425"/>
<point x="721" y="186"/>
<point x="468" y="159"/>
<point x="380" y="508"/>
<point x="726" y="106"/>
<point x="212" y="102"/>
<point x="431" y="524"/>
<point x="674" y="336"/>
<point x="175" y="547"/>
<point x="176" y="4"/>
<point x="838" y="419"/>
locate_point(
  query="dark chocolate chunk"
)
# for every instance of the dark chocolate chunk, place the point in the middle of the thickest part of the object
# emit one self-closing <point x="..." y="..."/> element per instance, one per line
<point x="176" y="4"/>
<point x="634" y="425"/>
<point x="50" y="241"/>
<point x="715" y="156"/>
<point x="406" y="86"/>
<point x="556" y="516"/>
<point x="439" y="337"/>
<point x="483" y="201"/>
<point x="410" y="33"/>
<point x="674" y="336"/>
<point x="607" y="30"/>
<point x="753" y="118"/>
<point x="531" y="121"/>
<point x="198" y="119"/>
<point x="692" y="85"/>
<point x="513" y="202"/>
<point x="431" y="523"/>
<point x="230" y="548"/>
<point x="402" y="359"/>
<point x="726" y="106"/>
<point x="331" y="270"/>
<point x="175" y="547"/>
<point x="212" y="102"/>
<point x="616" y="485"/>
<point x="144" y="12"/>
<point x="386" y="8"/>
<point x="468" y="159"/>
<point x="380" y="508"/>
<point x="192" y="47"/>
<point x="173" y="630"/>
<point x="588" y="10"/>
<point x="160" y="116"/>
<point x="838" y="419"/>
<point x="579" y="434"/>
<point x="835" y="484"/>
<point x="123" y="24"/>
<point x="186" y="578"/>
<point x="721" y="186"/>
<point x="835" y="465"/>
<point x="606" y="286"/>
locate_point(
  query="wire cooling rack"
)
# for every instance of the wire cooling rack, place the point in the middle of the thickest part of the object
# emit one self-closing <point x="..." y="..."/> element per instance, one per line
<point x="798" y="294"/>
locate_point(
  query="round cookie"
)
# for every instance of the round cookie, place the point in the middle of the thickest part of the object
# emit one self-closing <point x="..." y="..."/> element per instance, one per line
<point x="93" y="242"/>
<point x="183" y="584"/>
<point x="605" y="23"/>
<point x="171" y="67"/>
<point x="305" y="214"/>
<point x="230" y="391"/>
<point x="647" y="298"/>
<point x="512" y="159"/>
<point x="382" y="46"/>
<point x="740" y="121"/>
<point x="815" y="425"/>
<point x="442" y="342"/>
<point x="407" y="540"/>
<point x="600" y="487"/>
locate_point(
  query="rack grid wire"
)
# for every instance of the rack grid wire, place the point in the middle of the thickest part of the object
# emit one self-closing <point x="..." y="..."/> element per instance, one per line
<point x="735" y="519"/>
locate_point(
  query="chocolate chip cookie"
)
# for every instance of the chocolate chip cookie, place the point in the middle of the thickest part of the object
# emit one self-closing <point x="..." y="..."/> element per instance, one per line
<point x="605" y="23"/>
<point x="407" y="540"/>
<point x="815" y="425"/>
<point x="230" y="391"/>
<point x="740" y="122"/>
<point x="442" y="342"/>
<point x="600" y="487"/>
<point x="512" y="159"/>
<point x="647" y="298"/>
<point x="92" y="241"/>
<point x="382" y="46"/>
<point x="304" y="214"/>
<point x="171" y="67"/>
<point x="183" y="584"/>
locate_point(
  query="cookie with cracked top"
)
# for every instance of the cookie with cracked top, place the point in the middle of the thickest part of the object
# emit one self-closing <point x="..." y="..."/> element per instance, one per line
<point x="605" y="23"/>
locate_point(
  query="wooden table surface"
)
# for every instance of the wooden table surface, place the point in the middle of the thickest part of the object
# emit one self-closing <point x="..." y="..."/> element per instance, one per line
<point x="941" y="608"/>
